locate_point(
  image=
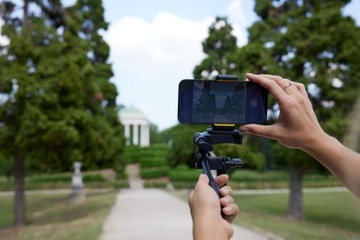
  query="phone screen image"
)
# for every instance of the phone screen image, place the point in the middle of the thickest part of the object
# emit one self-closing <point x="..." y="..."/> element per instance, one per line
<point x="208" y="102"/>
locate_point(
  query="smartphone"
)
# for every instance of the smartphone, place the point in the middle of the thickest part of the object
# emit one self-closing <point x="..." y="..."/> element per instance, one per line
<point x="221" y="102"/>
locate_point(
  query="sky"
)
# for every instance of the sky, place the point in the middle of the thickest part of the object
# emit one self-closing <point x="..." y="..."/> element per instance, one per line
<point x="155" y="44"/>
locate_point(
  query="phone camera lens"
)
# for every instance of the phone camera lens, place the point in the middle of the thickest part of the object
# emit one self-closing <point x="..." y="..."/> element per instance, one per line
<point x="254" y="103"/>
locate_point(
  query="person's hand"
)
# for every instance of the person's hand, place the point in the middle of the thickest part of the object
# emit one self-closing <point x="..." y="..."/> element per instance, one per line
<point x="206" y="209"/>
<point x="297" y="125"/>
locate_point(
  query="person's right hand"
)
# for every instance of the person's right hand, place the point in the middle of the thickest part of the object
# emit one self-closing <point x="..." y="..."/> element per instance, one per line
<point x="206" y="209"/>
<point x="297" y="125"/>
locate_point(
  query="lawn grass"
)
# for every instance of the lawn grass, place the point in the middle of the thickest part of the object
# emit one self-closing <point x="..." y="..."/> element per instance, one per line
<point x="331" y="215"/>
<point x="51" y="217"/>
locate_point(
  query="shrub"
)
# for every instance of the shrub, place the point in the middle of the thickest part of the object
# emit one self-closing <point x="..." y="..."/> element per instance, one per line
<point x="154" y="172"/>
<point x="156" y="183"/>
<point x="254" y="176"/>
<point x="50" y="178"/>
<point x="93" y="178"/>
<point x="187" y="175"/>
<point x="153" y="162"/>
<point x="122" y="183"/>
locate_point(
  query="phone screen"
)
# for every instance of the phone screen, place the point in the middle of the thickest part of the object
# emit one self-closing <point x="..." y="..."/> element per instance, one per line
<point x="208" y="102"/>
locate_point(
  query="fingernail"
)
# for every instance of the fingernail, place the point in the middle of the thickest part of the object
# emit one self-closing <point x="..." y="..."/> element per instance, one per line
<point x="227" y="209"/>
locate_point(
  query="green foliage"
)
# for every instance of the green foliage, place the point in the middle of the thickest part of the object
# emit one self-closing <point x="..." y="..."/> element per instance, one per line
<point x="254" y="176"/>
<point x="132" y="153"/>
<point x="253" y="158"/>
<point x="277" y="179"/>
<point x="93" y="178"/>
<point x="156" y="161"/>
<point x="219" y="46"/>
<point x="46" y="178"/>
<point x="184" y="175"/>
<point x="6" y="166"/>
<point x="60" y="104"/>
<point x="154" y="172"/>
<point x="313" y="43"/>
<point x="182" y="148"/>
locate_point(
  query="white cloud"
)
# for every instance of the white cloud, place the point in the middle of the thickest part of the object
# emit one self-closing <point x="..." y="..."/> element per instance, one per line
<point x="150" y="58"/>
<point x="166" y="42"/>
<point x="3" y="40"/>
<point x="238" y="19"/>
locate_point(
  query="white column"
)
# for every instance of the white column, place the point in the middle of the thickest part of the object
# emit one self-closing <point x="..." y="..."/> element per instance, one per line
<point x="127" y="133"/>
<point x="144" y="136"/>
<point x="135" y="134"/>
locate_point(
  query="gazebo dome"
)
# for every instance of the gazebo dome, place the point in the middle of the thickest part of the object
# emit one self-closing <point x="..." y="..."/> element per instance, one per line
<point x="133" y="115"/>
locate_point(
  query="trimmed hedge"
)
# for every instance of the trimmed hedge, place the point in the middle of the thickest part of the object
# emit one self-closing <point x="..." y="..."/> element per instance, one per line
<point x="155" y="172"/>
<point x="184" y="175"/>
<point x="153" y="162"/>
<point x="156" y="183"/>
<point x="47" y="178"/>
<point x="254" y="176"/>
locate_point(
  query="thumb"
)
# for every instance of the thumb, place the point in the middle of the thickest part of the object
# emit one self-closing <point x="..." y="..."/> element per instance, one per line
<point x="203" y="179"/>
<point x="258" y="130"/>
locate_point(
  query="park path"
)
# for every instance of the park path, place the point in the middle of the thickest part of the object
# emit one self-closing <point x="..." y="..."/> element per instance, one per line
<point x="154" y="214"/>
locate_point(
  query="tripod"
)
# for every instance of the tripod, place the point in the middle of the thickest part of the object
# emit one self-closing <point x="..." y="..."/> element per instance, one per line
<point x="205" y="161"/>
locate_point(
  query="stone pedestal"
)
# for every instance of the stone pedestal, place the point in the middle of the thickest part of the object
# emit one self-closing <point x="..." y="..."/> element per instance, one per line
<point x="77" y="194"/>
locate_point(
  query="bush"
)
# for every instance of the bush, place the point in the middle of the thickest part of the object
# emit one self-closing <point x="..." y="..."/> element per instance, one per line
<point x="120" y="184"/>
<point x="156" y="183"/>
<point x="254" y="176"/>
<point x="93" y="178"/>
<point x="190" y="175"/>
<point x="154" y="172"/>
<point x="50" y="178"/>
<point x="155" y="161"/>
<point x="122" y="175"/>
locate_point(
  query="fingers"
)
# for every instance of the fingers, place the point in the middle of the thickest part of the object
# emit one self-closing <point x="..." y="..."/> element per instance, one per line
<point x="230" y="209"/>
<point x="272" y="85"/>
<point x="278" y="86"/>
<point x="268" y="131"/>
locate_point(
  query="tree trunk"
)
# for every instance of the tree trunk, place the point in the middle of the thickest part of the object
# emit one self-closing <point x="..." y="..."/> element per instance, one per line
<point x="295" y="207"/>
<point x="19" y="196"/>
<point x="25" y="13"/>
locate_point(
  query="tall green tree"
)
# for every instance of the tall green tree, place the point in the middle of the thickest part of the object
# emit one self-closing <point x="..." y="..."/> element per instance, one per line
<point x="58" y="103"/>
<point x="219" y="46"/>
<point x="309" y="41"/>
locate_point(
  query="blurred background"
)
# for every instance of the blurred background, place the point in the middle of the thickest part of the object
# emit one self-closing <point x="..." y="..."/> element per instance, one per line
<point x="95" y="82"/>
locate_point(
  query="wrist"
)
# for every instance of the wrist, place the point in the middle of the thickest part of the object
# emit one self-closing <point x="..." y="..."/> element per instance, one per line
<point x="208" y="228"/>
<point x="320" y="145"/>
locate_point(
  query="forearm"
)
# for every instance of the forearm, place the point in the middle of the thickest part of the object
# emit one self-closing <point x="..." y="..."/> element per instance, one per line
<point x="338" y="159"/>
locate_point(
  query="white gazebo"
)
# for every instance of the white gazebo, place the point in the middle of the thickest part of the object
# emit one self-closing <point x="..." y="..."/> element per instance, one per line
<point x="137" y="131"/>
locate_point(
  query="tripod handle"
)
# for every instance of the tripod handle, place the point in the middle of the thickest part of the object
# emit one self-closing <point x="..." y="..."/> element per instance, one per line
<point x="207" y="171"/>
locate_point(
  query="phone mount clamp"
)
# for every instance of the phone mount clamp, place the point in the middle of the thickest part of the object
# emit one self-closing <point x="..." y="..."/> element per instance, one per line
<point x="218" y="133"/>
<point x="206" y="161"/>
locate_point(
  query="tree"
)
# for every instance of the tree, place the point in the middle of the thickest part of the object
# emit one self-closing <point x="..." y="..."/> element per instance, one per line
<point x="219" y="46"/>
<point x="309" y="41"/>
<point x="181" y="145"/>
<point x="59" y="106"/>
